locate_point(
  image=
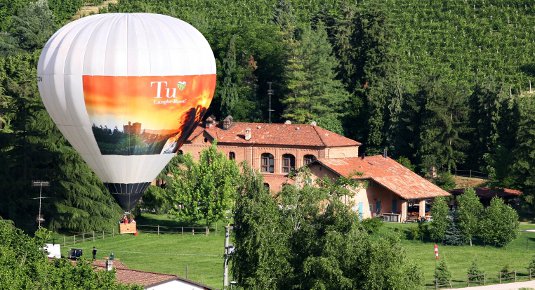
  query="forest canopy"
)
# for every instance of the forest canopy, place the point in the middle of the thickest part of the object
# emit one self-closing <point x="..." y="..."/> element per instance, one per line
<point x="446" y="85"/>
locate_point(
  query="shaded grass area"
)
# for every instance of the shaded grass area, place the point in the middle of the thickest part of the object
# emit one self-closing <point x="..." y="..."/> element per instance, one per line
<point x="491" y="260"/>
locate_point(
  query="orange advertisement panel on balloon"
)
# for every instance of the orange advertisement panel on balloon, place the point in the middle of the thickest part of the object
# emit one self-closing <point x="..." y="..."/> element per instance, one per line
<point x="142" y="115"/>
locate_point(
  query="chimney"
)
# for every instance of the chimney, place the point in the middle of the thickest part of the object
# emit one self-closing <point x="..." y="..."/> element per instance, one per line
<point x="385" y="152"/>
<point x="248" y="134"/>
<point x="227" y="122"/>
<point x="210" y="122"/>
<point x="313" y="123"/>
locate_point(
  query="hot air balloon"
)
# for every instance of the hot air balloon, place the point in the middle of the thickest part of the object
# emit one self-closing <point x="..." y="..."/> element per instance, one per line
<point x="126" y="90"/>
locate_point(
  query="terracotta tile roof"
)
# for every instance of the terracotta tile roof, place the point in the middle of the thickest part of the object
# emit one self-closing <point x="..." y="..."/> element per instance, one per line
<point x="486" y="192"/>
<point x="386" y="172"/>
<point x="277" y="134"/>
<point x="143" y="278"/>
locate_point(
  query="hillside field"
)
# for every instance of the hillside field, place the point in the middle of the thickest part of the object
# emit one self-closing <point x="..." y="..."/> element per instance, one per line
<point x="203" y="255"/>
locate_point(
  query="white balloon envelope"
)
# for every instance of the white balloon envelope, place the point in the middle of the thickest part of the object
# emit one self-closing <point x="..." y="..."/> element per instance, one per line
<point x="126" y="90"/>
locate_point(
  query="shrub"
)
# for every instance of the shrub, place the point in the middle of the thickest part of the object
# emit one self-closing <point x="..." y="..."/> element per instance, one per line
<point x="372" y="225"/>
<point x="414" y="233"/>
<point x="531" y="267"/>
<point x="445" y="181"/>
<point x="506" y="273"/>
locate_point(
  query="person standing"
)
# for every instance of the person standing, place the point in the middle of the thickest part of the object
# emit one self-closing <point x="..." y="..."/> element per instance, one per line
<point x="94" y="253"/>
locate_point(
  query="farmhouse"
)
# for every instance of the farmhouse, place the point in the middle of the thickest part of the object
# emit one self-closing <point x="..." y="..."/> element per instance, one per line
<point x="390" y="190"/>
<point x="393" y="192"/>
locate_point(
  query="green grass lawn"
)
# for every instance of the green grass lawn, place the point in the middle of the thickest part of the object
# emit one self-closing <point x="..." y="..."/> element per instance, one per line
<point x="203" y="255"/>
<point x="491" y="260"/>
<point x="200" y="255"/>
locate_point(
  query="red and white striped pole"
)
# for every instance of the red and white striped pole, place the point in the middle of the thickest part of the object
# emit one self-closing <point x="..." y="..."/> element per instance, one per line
<point x="436" y="251"/>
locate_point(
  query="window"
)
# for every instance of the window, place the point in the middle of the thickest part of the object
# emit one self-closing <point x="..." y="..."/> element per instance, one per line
<point x="288" y="163"/>
<point x="267" y="163"/>
<point x="307" y="159"/>
<point x="266" y="186"/>
<point x="231" y="155"/>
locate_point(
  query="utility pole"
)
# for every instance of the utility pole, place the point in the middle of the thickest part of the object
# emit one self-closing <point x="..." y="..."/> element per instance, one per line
<point x="270" y="93"/>
<point x="40" y="184"/>
<point x="229" y="249"/>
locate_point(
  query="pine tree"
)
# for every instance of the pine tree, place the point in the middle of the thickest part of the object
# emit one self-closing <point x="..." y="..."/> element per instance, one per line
<point x="485" y="105"/>
<point x="453" y="235"/>
<point x="313" y="91"/>
<point x="442" y="274"/>
<point x="35" y="150"/>
<point x="524" y="154"/>
<point x="474" y="273"/>
<point x="443" y="116"/>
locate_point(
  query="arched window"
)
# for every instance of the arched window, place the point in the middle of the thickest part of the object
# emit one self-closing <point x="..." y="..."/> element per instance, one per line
<point x="288" y="163"/>
<point x="267" y="163"/>
<point x="307" y="159"/>
<point x="231" y="155"/>
<point x="266" y="186"/>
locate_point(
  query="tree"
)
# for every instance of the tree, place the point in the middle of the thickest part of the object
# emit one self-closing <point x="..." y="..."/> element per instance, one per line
<point x="469" y="210"/>
<point x="442" y="274"/>
<point x="443" y="116"/>
<point x="33" y="25"/>
<point x="317" y="239"/>
<point x="453" y="235"/>
<point x="23" y="265"/>
<point x="204" y="189"/>
<point x="260" y="260"/>
<point x="312" y="88"/>
<point x="524" y="154"/>
<point x="33" y="148"/>
<point x="439" y="224"/>
<point x="485" y="103"/>
<point x="499" y="225"/>
<point x="474" y="273"/>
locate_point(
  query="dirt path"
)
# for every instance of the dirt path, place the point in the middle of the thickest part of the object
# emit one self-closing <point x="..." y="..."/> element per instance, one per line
<point x="508" y="286"/>
<point x="89" y="9"/>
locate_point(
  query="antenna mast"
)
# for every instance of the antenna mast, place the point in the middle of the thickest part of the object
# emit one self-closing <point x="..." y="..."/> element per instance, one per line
<point x="270" y="93"/>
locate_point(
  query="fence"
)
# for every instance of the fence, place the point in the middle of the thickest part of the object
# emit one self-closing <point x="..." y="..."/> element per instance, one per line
<point x="471" y="174"/>
<point x="153" y="229"/>
<point x="483" y="279"/>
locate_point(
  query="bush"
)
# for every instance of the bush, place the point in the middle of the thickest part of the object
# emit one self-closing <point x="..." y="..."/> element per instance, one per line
<point x="531" y="267"/>
<point x="414" y="233"/>
<point x="506" y="273"/>
<point x="445" y="181"/>
<point x="475" y="275"/>
<point x="372" y="225"/>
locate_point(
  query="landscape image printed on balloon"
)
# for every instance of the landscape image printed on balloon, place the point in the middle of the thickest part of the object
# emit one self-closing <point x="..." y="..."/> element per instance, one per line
<point x="133" y="115"/>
